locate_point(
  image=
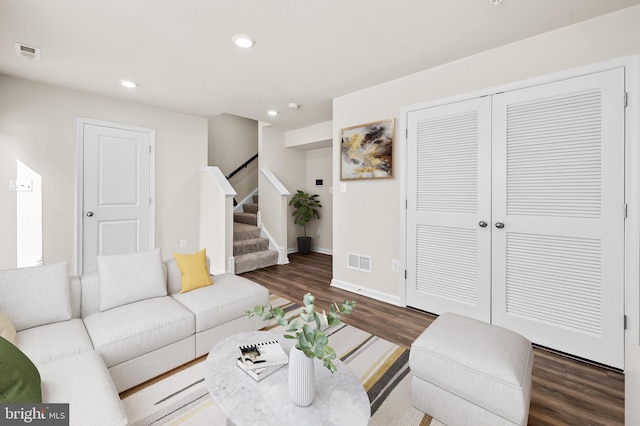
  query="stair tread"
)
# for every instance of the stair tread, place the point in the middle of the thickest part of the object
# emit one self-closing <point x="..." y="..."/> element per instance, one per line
<point x="252" y="261"/>
<point x="244" y="231"/>
<point x="249" y="241"/>
<point x="243" y="226"/>
<point x="262" y="253"/>
<point x="250" y="245"/>
<point x="250" y="218"/>
<point x="250" y="208"/>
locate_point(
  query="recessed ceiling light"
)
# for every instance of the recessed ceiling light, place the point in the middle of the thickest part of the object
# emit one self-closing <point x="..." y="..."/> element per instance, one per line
<point x="128" y="84"/>
<point x="272" y="112"/>
<point x="243" y="40"/>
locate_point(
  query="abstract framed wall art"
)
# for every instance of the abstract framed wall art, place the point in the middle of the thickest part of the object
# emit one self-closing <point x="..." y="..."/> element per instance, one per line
<point x="366" y="151"/>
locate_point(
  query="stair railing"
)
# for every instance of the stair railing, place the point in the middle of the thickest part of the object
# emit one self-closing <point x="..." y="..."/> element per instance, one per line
<point x="244" y="165"/>
<point x="235" y="172"/>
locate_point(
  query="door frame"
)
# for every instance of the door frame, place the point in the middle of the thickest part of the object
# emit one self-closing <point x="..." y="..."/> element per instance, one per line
<point x="79" y="199"/>
<point x="631" y="64"/>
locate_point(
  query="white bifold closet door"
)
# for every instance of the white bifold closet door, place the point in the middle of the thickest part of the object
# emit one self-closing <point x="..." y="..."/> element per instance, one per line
<point x="558" y="187"/>
<point x="449" y="194"/>
<point x="516" y="213"/>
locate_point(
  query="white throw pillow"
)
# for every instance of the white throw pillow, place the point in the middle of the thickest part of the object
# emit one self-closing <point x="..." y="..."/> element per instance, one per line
<point x="7" y="330"/>
<point x="128" y="278"/>
<point x="35" y="296"/>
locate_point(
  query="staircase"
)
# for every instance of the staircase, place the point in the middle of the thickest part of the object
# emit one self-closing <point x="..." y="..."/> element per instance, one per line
<point x="249" y="249"/>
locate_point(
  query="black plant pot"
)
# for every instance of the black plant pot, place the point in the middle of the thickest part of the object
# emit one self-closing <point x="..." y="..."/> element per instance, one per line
<point x="304" y="245"/>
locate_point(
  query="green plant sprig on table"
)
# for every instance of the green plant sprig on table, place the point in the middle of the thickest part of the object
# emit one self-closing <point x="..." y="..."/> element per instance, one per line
<point x="313" y="342"/>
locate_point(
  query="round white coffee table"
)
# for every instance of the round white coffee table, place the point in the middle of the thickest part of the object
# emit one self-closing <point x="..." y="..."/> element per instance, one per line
<point x="339" y="398"/>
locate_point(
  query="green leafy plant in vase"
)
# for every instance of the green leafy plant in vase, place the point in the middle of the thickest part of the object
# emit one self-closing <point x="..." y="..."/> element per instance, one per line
<point x="313" y="342"/>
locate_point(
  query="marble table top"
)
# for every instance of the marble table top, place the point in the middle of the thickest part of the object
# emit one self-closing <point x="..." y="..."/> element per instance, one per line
<point x="339" y="398"/>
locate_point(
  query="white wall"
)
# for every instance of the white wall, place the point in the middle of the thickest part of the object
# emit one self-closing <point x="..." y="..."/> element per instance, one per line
<point x="310" y="137"/>
<point x="232" y="141"/>
<point x="289" y="166"/>
<point x="367" y="217"/>
<point x="320" y="166"/>
<point x="38" y="127"/>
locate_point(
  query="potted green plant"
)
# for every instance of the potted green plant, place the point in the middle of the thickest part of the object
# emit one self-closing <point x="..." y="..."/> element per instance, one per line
<point x="306" y="207"/>
<point x="312" y="341"/>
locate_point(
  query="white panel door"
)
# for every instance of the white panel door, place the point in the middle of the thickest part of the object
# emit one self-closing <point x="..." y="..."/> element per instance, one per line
<point x="558" y="188"/>
<point x="116" y="192"/>
<point x="449" y="207"/>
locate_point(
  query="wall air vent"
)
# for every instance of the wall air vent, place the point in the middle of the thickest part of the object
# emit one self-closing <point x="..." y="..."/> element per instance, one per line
<point x="359" y="262"/>
<point x="29" y="52"/>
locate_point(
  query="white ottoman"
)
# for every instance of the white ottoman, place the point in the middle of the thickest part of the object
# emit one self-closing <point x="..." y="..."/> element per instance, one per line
<point x="467" y="372"/>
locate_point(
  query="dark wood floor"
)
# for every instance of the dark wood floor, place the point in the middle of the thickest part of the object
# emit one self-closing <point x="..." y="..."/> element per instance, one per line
<point x="565" y="391"/>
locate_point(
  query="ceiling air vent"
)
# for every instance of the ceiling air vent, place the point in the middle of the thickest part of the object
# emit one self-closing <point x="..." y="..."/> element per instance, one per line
<point x="29" y="52"/>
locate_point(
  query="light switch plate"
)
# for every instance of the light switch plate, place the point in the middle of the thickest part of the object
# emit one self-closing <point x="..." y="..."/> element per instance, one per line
<point x="20" y="185"/>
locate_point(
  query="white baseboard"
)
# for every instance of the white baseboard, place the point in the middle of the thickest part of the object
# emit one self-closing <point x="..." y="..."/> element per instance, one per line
<point x="322" y="250"/>
<point x="373" y="294"/>
<point x="313" y="249"/>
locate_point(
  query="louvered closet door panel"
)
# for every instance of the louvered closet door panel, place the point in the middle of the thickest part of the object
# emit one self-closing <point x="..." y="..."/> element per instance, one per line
<point x="448" y="195"/>
<point x="558" y="187"/>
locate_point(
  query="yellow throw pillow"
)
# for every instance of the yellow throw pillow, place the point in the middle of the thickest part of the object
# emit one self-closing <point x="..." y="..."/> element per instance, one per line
<point x="193" y="268"/>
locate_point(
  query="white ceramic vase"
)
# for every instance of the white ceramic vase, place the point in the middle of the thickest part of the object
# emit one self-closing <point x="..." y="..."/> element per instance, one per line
<point x="302" y="381"/>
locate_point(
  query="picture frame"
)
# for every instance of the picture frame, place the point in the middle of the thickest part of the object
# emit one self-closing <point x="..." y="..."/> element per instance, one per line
<point x="366" y="150"/>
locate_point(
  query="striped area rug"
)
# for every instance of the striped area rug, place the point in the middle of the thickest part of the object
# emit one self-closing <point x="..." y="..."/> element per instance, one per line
<point x="382" y="367"/>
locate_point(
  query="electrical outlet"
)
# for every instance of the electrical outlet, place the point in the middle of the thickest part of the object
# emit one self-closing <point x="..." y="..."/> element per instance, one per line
<point x="37" y="261"/>
<point x="395" y="265"/>
<point x="318" y="232"/>
<point x="184" y="243"/>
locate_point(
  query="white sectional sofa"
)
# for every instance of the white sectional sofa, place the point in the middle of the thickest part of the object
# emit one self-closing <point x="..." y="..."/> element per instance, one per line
<point x="94" y="336"/>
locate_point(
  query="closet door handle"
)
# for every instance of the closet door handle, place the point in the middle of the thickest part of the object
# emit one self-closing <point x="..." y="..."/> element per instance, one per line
<point x="482" y="224"/>
<point x="499" y="225"/>
<point x="89" y="214"/>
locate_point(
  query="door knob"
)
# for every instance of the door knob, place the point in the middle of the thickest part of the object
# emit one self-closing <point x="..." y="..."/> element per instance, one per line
<point x="499" y="225"/>
<point x="482" y="224"/>
<point x="89" y="214"/>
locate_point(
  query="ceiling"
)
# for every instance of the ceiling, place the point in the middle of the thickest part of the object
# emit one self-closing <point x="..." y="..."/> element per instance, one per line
<point x="308" y="52"/>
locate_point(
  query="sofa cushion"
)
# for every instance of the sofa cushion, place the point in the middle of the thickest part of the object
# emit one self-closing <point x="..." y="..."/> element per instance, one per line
<point x="7" y="329"/>
<point x="225" y="301"/>
<point x="90" y="294"/>
<point x="54" y="341"/>
<point x="173" y="275"/>
<point x="36" y="295"/>
<point x="19" y="378"/>
<point x="193" y="270"/>
<point x="128" y="278"/>
<point x="131" y="330"/>
<point x="84" y="383"/>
